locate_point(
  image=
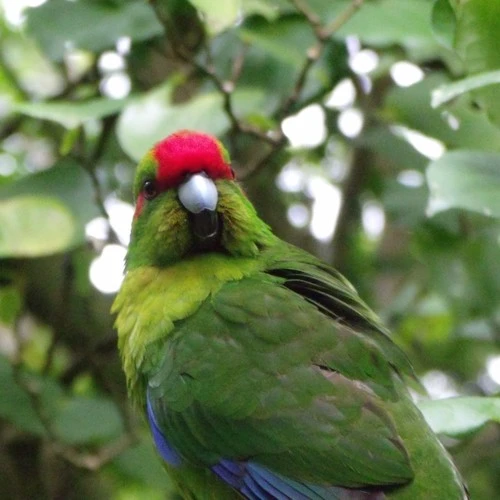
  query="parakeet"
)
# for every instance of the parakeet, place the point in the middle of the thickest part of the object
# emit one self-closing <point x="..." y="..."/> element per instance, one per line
<point x="261" y="372"/>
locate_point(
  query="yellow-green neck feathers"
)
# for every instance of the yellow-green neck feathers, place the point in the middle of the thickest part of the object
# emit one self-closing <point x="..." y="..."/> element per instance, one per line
<point x="152" y="299"/>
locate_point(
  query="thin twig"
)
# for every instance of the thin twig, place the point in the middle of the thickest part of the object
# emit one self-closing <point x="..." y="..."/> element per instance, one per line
<point x="238" y="63"/>
<point x="343" y="17"/>
<point x="90" y="161"/>
<point x="313" y="55"/>
<point x="94" y="461"/>
<point x="263" y="161"/>
<point x="322" y="34"/>
<point x="226" y="88"/>
<point x="312" y="18"/>
<point x="65" y="296"/>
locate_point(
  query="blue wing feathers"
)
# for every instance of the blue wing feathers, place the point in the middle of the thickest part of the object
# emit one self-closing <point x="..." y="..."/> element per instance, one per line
<point x="278" y="494"/>
<point x="249" y="494"/>
<point x="255" y="488"/>
<point x="252" y="480"/>
<point x="230" y="472"/>
<point x="258" y="483"/>
<point x="274" y="483"/>
<point x="162" y="445"/>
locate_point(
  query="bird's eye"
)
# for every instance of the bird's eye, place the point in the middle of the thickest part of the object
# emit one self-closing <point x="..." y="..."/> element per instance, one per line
<point x="149" y="190"/>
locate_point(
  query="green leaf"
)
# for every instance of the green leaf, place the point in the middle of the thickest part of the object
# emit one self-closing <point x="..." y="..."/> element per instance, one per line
<point x="11" y="302"/>
<point x="405" y="23"/>
<point x="444" y="22"/>
<point x="465" y="179"/>
<point x="218" y="15"/>
<point x="27" y="69"/>
<point x="88" y="421"/>
<point x="153" y="116"/>
<point x="449" y="91"/>
<point x="8" y="86"/>
<point x="76" y="421"/>
<point x="380" y="23"/>
<point x="60" y="24"/>
<point x="33" y="226"/>
<point x="478" y="34"/>
<point x="459" y="126"/>
<point x="141" y="463"/>
<point x="64" y="196"/>
<point x="460" y="416"/>
<point x="431" y="317"/>
<point x="72" y="114"/>
<point x="286" y="39"/>
<point x="15" y="404"/>
<point x="477" y="41"/>
<point x="262" y="7"/>
<point x="68" y="141"/>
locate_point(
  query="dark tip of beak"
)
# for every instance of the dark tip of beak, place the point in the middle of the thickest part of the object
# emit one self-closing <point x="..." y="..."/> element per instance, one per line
<point x="206" y="229"/>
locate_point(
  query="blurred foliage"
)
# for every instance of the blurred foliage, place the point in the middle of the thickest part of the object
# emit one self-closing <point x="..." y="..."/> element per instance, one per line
<point x="411" y="145"/>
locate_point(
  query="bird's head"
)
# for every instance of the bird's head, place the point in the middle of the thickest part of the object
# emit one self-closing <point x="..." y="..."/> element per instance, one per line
<point x="187" y="202"/>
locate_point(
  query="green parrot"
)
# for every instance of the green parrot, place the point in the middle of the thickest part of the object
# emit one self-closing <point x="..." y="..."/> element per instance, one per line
<point x="261" y="372"/>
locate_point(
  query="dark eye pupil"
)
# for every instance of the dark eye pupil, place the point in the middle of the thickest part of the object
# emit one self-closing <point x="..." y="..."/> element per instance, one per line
<point x="149" y="189"/>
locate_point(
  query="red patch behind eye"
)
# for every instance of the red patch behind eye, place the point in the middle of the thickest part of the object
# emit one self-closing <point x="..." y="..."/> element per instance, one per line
<point x="188" y="152"/>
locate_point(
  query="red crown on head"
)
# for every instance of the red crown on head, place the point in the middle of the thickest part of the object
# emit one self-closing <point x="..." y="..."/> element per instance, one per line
<point x="189" y="152"/>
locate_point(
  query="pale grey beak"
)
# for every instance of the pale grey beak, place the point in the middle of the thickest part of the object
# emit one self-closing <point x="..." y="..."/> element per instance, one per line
<point x="198" y="195"/>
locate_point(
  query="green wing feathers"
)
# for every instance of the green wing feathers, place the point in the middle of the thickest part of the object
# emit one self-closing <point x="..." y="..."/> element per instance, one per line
<point x="239" y="380"/>
<point x="283" y="364"/>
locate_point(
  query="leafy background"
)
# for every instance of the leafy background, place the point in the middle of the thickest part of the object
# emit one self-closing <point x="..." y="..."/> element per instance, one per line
<point x="364" y="131"/>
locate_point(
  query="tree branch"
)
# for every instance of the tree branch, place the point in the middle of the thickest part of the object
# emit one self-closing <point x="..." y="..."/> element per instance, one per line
<point x="89" y="162"/>
<point x="342" y="18"/>
<point x="225" y="87"/>
<point x="323" y="35"/>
